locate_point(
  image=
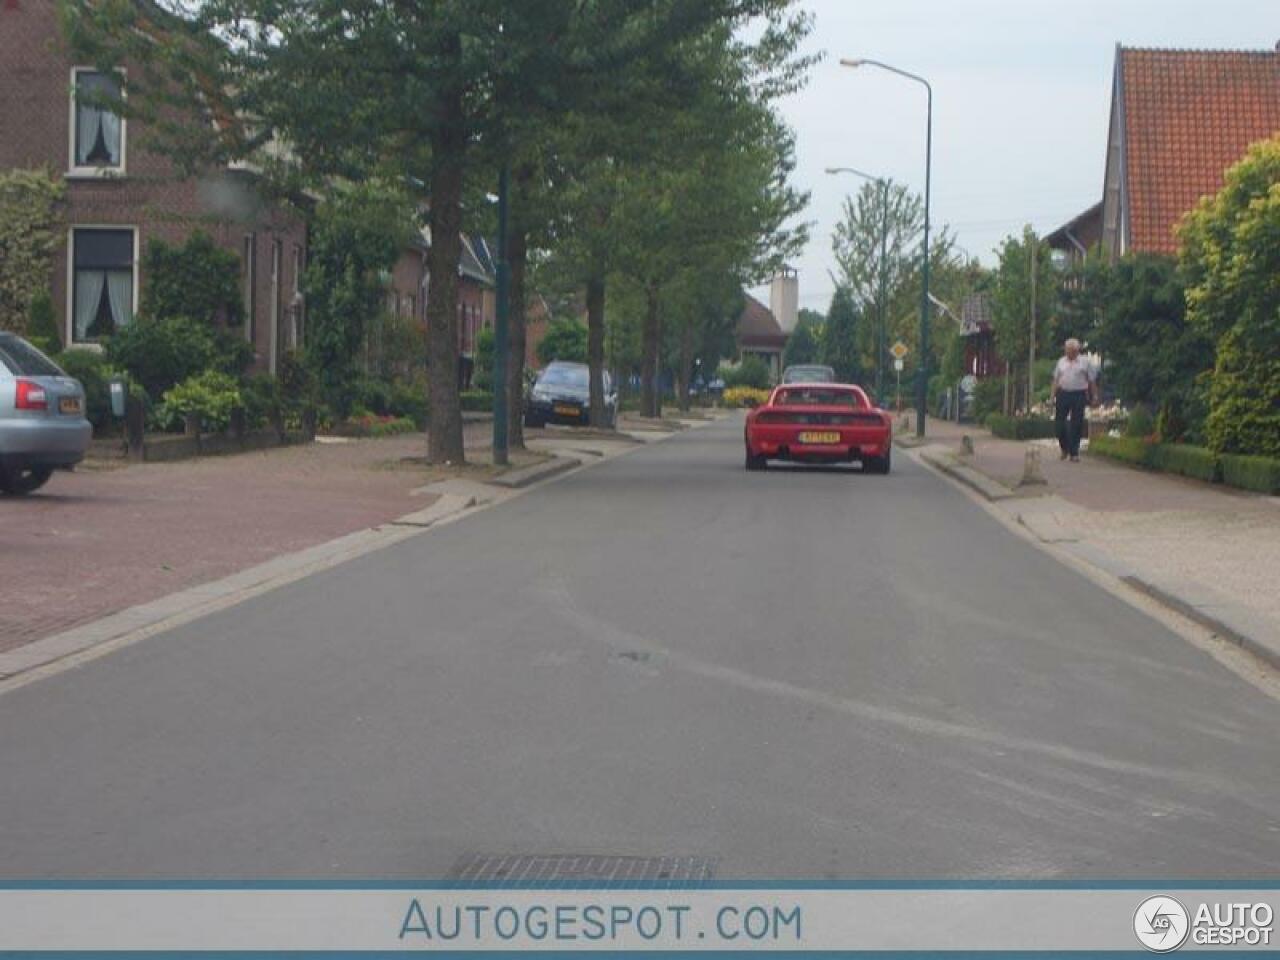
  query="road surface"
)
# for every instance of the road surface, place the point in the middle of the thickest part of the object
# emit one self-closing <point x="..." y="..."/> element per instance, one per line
<point x="800" y="674"/>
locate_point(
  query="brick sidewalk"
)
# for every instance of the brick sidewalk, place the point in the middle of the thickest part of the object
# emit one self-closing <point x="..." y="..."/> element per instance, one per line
<point x="1171" y="529"/>
<point x="106" y="538"/>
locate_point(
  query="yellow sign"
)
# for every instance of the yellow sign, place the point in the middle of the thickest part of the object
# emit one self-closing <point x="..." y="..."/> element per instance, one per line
<point x="899" y="350"/>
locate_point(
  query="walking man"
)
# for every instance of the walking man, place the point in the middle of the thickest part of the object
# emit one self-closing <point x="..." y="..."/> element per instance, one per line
<point x="1074" y="382"/>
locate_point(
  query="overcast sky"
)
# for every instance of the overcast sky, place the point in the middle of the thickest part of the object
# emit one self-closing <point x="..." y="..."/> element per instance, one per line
<point x="1021" y="88"/>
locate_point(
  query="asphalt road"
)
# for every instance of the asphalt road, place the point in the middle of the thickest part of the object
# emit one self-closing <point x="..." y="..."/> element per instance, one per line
<point x="799" y="674"/>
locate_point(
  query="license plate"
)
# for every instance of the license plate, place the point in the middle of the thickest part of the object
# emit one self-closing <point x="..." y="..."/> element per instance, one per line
<point x="565" y="411"/>
<point x="820" y="436"/>
<point x="69" y="405"/>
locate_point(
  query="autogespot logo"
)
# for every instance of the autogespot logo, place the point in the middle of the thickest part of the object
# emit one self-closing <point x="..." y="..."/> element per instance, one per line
<point x="1161" y="924"/>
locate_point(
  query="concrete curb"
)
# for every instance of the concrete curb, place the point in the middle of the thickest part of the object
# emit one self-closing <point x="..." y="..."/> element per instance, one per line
<point x="971" y="478"/>
<point x="516" y="479"/>
<point x="91" y="640"/>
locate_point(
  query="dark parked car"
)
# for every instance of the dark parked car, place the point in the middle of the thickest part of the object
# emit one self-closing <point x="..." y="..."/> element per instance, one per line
<point x="561" y="395"/>
<point x="42" y="422"/>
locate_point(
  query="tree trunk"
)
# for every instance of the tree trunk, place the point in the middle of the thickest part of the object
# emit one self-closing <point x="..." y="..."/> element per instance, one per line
<point x="444" y="439"/>
<point x="684" y="373"/>
<point x="595" y="350"/>
<point x="517" y="257"/>
<point x="651" y="337"/>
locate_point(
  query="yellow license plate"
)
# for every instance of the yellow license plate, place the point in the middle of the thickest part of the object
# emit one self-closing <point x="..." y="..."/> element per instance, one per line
<point x="820" y="436"/>
<point x="564" y="411"/>
<point x="69" y="405"/>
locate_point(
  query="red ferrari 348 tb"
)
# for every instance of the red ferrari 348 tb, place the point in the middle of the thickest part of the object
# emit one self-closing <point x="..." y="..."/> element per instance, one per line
<point x="819" y="423"/>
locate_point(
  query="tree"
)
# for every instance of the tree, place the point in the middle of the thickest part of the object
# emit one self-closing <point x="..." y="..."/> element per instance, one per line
<point x="1023" y="258"/>
<point x="356" y="236"/>
<point x="1153" y="354"/>
<point x="30" y="211"/>
<point x="840" y="337"/>
<point x="803" y="345"/>
<point x="196" y="279"/>
<point x="1231" y="255"/>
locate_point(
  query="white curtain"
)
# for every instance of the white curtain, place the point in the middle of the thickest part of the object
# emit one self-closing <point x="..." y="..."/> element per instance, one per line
<point x="120" y="293"/>
<point x="88" y="296"/>
<point x="87" y="122"/>
<point x="111" y="135"/>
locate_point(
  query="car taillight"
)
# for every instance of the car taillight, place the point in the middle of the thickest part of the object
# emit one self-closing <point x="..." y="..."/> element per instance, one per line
<point x="30" y="396"/>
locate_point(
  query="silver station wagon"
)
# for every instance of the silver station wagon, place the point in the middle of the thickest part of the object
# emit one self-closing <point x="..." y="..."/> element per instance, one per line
<point x="42" y="422"/>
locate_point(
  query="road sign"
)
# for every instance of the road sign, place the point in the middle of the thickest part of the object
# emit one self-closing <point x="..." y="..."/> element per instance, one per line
<point x="897" y="364"/>
<point x="899" y="350"/>
<point x="968" y="383"/>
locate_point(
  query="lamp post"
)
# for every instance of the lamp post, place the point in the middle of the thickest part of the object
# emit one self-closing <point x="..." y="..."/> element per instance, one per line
<point x="881" y="305"/>
<point x="922" y="368"/>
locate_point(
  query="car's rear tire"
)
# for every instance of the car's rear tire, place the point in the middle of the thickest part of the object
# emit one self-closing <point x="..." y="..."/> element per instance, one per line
<point x="754" y="462"/>
<point x="880" y="465"/>
<point x="20" y="481"/>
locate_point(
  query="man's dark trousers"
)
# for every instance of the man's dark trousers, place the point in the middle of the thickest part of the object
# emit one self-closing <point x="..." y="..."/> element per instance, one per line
<point x="1070" y="420"/>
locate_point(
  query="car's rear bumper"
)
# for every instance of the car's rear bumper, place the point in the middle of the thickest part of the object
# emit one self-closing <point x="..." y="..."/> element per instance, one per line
<point x="44" y="442"/>
<point x="783" y="444"/>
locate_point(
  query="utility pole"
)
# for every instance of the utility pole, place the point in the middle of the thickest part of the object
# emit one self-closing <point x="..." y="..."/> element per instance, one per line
<point x="884" y="243"/>
<point x="500" y="340"/>
<point x="1031" y="353"/>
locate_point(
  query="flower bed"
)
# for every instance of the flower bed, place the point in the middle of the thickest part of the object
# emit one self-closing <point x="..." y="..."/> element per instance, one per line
<point x="373" y="425"/>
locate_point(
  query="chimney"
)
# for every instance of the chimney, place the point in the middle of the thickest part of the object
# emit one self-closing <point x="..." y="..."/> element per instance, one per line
<point x="784" y="298"/>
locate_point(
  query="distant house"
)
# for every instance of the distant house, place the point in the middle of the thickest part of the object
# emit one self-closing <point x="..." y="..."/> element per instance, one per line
<point x="120" y="196"/>
<point x="1072" y="241"/>
<point x="1179" y="119"/>
<point x="410" y="281"/>
<point x="758" y="334"/>
<point x="978" y="333"/>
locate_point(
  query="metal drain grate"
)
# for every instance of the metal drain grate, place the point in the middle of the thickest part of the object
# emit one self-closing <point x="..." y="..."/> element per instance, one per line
<point x="533" y="870"/>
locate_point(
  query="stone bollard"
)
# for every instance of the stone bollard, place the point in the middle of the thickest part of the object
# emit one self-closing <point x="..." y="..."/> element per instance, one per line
<point x="1031" y="472"/>
<point x="966" y="446"/>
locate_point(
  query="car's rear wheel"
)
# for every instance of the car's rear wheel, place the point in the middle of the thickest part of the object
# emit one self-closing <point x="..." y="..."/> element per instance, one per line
<point x="877" y="464"/>
<point x="754" y="462"/>
<point x="23" y="480"/>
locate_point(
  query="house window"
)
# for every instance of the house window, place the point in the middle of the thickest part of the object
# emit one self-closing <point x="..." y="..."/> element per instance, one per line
<point x="249" y="277"/>
<point x="102" y="282"/>
<point x="97" y="132"/>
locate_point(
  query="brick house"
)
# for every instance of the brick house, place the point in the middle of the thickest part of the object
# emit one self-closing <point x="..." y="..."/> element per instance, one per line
<point x="477" y="300"/>
<point x="758" y="334"/>
<point x="1179" y="119"/>
<point x="120" y="196"/>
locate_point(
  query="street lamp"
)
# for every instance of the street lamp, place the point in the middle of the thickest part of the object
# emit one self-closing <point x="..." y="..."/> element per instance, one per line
<point x="883" y="183"/>
<point x="922" y="368"/>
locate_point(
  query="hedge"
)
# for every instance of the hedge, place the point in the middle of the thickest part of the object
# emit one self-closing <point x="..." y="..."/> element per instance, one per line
<point x="477" y="401"/>
<point x="1130" y="450"/>
<point x="1186" y="460"/>
<point x="1020" y="428"/>
<point x="1260" y="474"/>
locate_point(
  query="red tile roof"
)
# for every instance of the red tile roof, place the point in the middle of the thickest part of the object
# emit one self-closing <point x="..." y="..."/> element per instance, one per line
<point x="1189" y="115"/>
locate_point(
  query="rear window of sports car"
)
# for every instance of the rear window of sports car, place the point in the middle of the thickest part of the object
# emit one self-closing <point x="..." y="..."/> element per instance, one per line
<point x="817" y="397"/>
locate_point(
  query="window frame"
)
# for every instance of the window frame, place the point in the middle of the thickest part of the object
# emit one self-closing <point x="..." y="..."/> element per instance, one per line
<point x="69" y="328"/>
<point x="76" y="170"/>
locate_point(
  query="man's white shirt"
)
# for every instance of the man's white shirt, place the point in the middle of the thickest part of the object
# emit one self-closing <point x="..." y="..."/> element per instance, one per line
<point x="1074" y="374"/>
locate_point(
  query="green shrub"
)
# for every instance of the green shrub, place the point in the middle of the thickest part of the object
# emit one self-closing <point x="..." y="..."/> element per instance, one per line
<point x="564" y="340"/>
<point x="1020" y="428"/>
<point x="1260" y="474"/>
<point x="1130" y="450"/>
<point x="988" y="397"/>
<point x="479" y="401"/>
<point x="260" y="396"/>
<point x="751" y="372"/>
<point x="482" y="369"/>
<point x="1140" y="423"/>
<point x="94" y="372"/>
<point x="409" y="399"/>
<point x="371" y="395"/>
<point x="298" y="387"/>
<point x="160" y="354"/>
<point x="42" y="325"/>
<point x="1244" y="399"/>
<point x="1185" y="460"/>
<point x="210" y="395"/>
